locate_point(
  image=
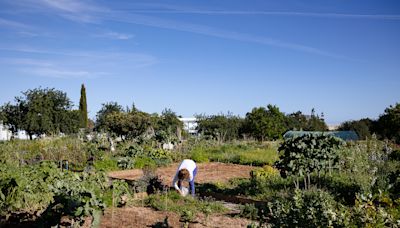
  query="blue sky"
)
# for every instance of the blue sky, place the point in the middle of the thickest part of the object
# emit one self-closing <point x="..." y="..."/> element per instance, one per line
<point x="341" y="57"/>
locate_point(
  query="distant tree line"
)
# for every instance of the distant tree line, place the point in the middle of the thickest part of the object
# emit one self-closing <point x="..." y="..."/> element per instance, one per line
<point x="270" y="123"/>
<point x="261" y="124"/>
<point x="41" y="111"/>
<point x="133" y="123"/>
<point x="387" y="126"/>
<point x="49" y="111"/>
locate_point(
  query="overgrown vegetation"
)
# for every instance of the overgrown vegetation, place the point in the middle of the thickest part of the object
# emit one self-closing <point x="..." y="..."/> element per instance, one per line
<point x="359" y="189"/>
<point x="186" y="207"/>
<point x="312" y="181"/>
<point x="256" y="154"/>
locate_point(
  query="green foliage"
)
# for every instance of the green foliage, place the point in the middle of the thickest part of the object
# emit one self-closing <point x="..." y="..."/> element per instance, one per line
<point x="266" y="172"/>
<point x="298" y="121"/>
<point x="106" y="164"/>
<point x="238" y="153"/>
<point x="126" y="163"/>
<point x="31" y="189"/>
<point x="304" y="155"/>
<point x="199" y="156"/>
<point x="362" y="127"/>
<point x="28" y="152"/>
<point x="83" y="108"/>
<point x="167" y="126"/>
<point x="128" y="125"/>
<point x="41" y="111"/>
<point x="316" y="123"/>
<point x="389" y="123"/>
<point x="118" y="194"/>
<point x="249" y="211"/>
<point x="345" y="188"/>
<point x="313" y="208"/>
<point x="187" y="207"/>
<point x="369" y="212"/>
<point x="265" y="124"/>
<point x="144" y="162"/>
<point x="220" y="127"/>
<point x="106" y="109"/>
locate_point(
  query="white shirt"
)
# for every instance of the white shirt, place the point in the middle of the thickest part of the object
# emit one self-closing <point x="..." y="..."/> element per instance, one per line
<point x="188" y="164"/>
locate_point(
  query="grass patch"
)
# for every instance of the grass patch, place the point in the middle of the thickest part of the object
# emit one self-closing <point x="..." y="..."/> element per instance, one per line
<point x="243" y="153"/>
<point x="106" y="164"/>
<point x="174" y="202"/>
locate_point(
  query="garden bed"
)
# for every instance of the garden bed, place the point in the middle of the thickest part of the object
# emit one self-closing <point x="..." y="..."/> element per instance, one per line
<point x="209" y="172"/>
<point x="147" y="217"/>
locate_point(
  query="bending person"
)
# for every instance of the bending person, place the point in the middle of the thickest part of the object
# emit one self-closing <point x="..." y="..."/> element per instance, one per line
<point x="187" y="171"/>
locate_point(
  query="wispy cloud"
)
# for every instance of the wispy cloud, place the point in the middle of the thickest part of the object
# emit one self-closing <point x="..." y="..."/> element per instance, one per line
<point x="82" y="11"/>
<point x="25" y="62"/>
<point x="116" y="35"/>
<point x="221" y="33"/>
<point x="60" y="73"/>
<point x="14" y="24"/>
<point x="159" y="8"/>
<point x="75" y="10"/>
<point x="272" y="13"/>
<point x="67" y="5"/>
<point x="111" y="15"/>
<point x="75" y="64"/>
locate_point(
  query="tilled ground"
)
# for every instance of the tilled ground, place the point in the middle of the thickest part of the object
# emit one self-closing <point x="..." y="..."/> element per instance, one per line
<point x="147" y="217"/>
<point x="206" y="172"/>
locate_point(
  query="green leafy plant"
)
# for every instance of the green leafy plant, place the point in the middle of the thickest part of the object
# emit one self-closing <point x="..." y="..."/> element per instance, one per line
<point x="304" y="155"/>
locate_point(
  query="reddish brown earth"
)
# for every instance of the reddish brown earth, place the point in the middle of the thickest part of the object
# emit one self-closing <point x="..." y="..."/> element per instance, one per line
<point x="147" y="217"/>
<point x="207" y="172"/>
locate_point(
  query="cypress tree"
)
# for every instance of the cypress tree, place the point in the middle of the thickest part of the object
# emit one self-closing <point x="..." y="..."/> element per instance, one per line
<point x="83" y="108"/>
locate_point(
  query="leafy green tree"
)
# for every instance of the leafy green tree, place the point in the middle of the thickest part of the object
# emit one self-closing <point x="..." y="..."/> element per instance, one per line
<point x="297" y="121"/>
<point x="127" y="125"/>
<point x="316" y="123"/>
<point x="220" y="127"/>
<point x="83" y="108"/>
<point x="388" y="125"/>
<point x="307" y="154"/>
<point x="106" y="109"/>
<point x="12" y="115"/>
<point x="167" y="126"/>
<point x="265" y="124"/>
<point x="71" y="122"/>
<point x="40" y="111"/>
<point x="362" y="127"/>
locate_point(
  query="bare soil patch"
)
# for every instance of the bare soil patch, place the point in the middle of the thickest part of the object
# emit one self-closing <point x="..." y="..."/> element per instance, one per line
<point x="147" y="217"/>
<point x="206" y="172"/>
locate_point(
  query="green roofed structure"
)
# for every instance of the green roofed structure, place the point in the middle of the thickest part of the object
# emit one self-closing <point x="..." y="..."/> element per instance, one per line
<point x="345" y="135"/>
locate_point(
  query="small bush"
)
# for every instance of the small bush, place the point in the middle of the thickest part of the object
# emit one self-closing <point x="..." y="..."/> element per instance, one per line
<point x="199" y="157"/>
<point x="144" y="162"/>
<point x="241" y="153"/>
<point x="266" y="172"/>
<point x="313" y="208"/>
<point x="107" y="164"/>
<point x="173" y="201"/>
<point x="249" y="211"/>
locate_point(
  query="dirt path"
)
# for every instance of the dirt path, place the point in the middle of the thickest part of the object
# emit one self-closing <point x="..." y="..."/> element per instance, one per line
<point x="207" y="172"/>
<point x="147" y="217"/>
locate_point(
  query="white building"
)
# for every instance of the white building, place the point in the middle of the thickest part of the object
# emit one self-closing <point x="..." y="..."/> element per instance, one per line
<point x="189" y="125"/>
<point x="5" y="134"/>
